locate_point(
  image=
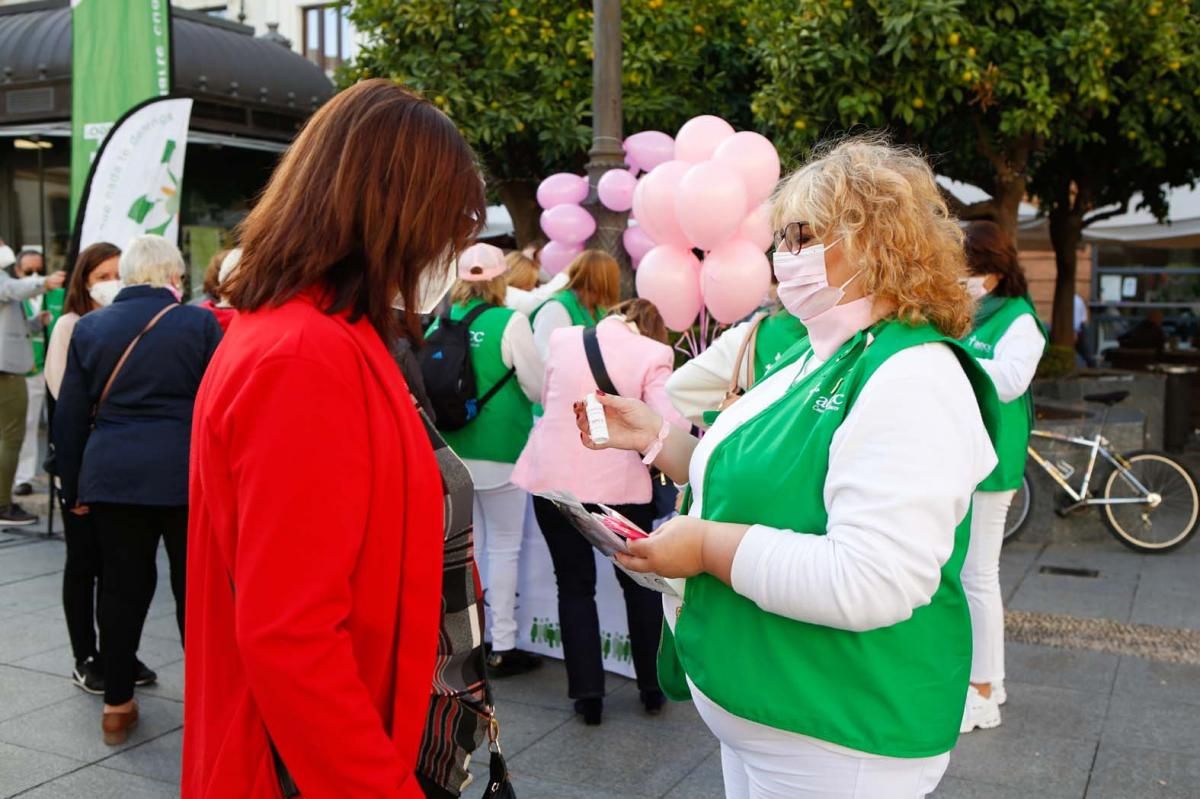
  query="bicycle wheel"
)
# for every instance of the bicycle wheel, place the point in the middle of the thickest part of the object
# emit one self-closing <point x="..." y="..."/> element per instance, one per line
<point x="1152" y="527"/>
<point x="1018" y="511"/>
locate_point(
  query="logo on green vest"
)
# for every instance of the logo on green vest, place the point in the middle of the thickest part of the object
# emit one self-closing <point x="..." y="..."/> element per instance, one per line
<point x="156" y="210"/>
<point x="477" y="337"/>
<point x="833" y="402"/>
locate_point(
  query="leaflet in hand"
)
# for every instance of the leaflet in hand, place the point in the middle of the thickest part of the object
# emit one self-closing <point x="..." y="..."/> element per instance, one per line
<point x="608" y="531"/>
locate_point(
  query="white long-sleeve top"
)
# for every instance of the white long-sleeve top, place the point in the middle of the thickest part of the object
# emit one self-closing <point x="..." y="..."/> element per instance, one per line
<point x="529" y="301"/>
<point x="902" y="469"/>
<point x="56" y="352"/>
<point x="701" y="384"/>
<point x="553" y="316"/>
<point x="517" y="351"/>
<point x="1015" y="358"/>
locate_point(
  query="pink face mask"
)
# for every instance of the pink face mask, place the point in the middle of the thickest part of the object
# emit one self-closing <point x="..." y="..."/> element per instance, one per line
<point x="805" y="291"/>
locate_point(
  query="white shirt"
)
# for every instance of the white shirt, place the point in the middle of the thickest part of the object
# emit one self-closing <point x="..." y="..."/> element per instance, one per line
<point x="701" y="384"/>
<point x="1081" y="313"/>
<point x="529" y="301"/>
<point x="1015" y="358"/>
<point x="553" y="316"/>
<point x="57" y="350"/>
<point x="517" y="351"/>
<point x="902" y="468"/>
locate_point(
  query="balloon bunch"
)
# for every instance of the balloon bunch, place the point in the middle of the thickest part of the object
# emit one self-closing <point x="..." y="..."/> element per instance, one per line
<point x="704" y="190"/>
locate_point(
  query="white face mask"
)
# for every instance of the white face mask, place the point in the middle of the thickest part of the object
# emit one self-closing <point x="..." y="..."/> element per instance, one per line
<point x="975" y="287"/>
<point x="104" y="292"/>
<point x="434" y="285"/>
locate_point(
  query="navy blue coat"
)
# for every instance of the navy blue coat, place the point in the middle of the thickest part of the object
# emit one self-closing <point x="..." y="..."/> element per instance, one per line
<point x="138" y="452"/>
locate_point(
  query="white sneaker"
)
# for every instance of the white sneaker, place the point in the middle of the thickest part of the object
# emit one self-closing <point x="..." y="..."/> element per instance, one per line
<point x="981" y="712"/>
<point x="998" y="693"/>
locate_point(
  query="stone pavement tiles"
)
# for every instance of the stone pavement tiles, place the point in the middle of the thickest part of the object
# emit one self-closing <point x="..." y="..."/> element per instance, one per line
<point x="1079" y="722"/>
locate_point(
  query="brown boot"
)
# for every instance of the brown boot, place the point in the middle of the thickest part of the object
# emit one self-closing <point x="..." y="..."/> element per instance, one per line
<point x="116" y="726"/>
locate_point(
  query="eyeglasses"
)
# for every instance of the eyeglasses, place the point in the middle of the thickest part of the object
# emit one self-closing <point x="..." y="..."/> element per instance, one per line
<point x="793" y="237"/>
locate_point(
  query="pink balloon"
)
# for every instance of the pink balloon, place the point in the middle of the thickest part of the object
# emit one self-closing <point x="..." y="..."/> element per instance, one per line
<point x="615" y="189"/>
<point x="648" y="149"/>
<point x="734" y="280"/>
<point x="556" y="256"/>
<point x="562" y="189"/>
<point x="756" y="227"/>
<point x="710" y="204"/>
<point x="570" y="224"/>
<point x="697" y="140"/>
<point x="754" y="158"/>
<point x="637" y="243"/>
<point x="654" y="203"/>
<point x="669" y="278"/>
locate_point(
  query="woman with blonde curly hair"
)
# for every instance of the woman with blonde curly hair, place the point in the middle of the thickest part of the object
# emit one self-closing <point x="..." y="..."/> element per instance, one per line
<point x="822" y="630"/>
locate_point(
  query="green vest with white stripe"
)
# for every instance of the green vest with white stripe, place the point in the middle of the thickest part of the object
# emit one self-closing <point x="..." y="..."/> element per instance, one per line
<point x="897" y="691"/>
<point x="994" y="318"/>
<point x="579" y="315"/>
<point x="502" y="427"/>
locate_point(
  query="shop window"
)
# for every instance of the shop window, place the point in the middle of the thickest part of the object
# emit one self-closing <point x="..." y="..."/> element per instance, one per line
<point x="328" y="36"/>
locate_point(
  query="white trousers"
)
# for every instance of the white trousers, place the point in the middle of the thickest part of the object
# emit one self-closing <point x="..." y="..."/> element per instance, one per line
<point x="981" y="582"/>
<point x="499" y="526"/>
<point x="27" y="464"/>
<point x="761" y="762"/>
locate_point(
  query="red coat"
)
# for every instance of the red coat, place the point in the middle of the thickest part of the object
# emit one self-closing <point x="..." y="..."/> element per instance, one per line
<point x="224" y="315"/>
<point x="316" y="500"/>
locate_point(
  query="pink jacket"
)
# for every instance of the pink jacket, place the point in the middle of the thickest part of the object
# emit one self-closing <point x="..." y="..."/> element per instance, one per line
<point x="554" y="458"/>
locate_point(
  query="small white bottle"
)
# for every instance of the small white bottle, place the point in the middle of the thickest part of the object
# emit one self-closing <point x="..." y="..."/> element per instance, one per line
<point x="597" y="423"/>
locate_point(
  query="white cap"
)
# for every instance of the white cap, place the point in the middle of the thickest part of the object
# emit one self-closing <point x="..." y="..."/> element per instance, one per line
<point x="229" y="264"/>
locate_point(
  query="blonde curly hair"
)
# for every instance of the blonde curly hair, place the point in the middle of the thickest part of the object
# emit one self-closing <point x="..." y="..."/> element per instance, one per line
<point x="884" y="204"/>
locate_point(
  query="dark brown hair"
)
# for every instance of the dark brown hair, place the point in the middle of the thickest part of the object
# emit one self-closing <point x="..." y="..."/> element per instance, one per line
<point x="595" y="279"/>
<point x="79" y="299"/>
<point x="377" y="189"/>
<point x="991" y="251"/>
<point x="212" y="274"/>
<point x="645" y="315"/>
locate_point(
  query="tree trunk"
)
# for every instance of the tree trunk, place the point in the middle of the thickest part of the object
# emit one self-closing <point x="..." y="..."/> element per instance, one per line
<point x="1010" y="190"/>
<point x="520" y="198"/>
<point x="1066" y="231"/>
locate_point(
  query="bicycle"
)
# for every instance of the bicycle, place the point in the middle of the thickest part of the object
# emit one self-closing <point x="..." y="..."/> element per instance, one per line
<point x="1149" y="501"/>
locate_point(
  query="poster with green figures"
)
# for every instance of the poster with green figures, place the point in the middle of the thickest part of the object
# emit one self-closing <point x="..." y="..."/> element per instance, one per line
<point x="121" y="56"/>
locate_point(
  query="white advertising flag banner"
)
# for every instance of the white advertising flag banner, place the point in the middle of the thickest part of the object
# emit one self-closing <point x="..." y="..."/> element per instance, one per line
<point x="137" y="179"/>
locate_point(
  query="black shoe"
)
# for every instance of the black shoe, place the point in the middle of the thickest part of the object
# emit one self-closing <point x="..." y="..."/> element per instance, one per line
<point x="653" y="701"/>
<point x="145" y="676"/>
<point x="23" y="490"/>
<point x="592" y="709"/>
<point x="512" y="662"/>
<point x="88" y="677"/>
<point x="16" y="516"/>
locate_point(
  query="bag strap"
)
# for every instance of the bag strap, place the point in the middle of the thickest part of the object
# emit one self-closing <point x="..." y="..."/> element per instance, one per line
<point x="154" y="320"/>
<point x="742" y="361"/>
<point x="591" y="346"/>
<point x="474" y="313"/>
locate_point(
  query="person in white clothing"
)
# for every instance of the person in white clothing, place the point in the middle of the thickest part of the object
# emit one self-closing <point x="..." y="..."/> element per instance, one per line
<point x="1008" y="340"/>
<point x="593" y="287"/>
<point x="31" y="263"/>
<point x="822" y="632"/>
<point x="508" y="367"/>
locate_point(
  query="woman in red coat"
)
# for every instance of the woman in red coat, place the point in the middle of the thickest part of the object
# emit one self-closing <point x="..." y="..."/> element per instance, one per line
<point x="315" y="542"/>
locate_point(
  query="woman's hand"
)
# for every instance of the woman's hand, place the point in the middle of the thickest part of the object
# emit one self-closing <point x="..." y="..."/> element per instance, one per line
<point x="632" y="424"/>
<point x="685" y="547"/>
<point x="81" y="510"/>
<point x="674" y="550"/>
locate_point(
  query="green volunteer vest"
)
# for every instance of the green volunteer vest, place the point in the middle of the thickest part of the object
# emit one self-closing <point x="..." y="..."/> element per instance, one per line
<point x="896" y="691"/>
<point x="777" y="333"/>
<point x="995" y="316"/>
<point x="52" y="301"/>
<point x="579" y="315"/>
<point x="502" y="427"/>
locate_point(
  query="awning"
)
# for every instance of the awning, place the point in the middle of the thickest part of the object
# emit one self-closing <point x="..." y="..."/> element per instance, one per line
<point x="63" y="130"/>
<point x="1139" y="227"/>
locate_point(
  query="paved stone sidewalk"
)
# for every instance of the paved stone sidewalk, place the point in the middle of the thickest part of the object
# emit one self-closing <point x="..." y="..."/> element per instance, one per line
<point x="1079" y="723"/>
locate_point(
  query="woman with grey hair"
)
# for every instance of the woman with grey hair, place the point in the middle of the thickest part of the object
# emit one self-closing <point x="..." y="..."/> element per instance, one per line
<point x="122" y="431"/>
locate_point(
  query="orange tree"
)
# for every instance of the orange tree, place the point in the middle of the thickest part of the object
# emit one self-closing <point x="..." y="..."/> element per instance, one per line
<point x="516" y="75"/>
<point x="994" y="90"/>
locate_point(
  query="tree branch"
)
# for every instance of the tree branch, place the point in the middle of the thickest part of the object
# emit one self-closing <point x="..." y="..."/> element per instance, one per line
<point x="1102" y="215"/>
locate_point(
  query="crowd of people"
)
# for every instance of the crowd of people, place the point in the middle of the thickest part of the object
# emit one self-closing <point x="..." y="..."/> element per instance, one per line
<point x="843" y="459"/>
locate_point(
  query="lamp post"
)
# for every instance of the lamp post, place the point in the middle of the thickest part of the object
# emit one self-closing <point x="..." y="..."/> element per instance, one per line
<point x="606" y="152"/>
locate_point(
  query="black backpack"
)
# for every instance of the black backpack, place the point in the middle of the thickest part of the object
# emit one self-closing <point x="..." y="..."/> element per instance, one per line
<point x="449" y="377"/>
